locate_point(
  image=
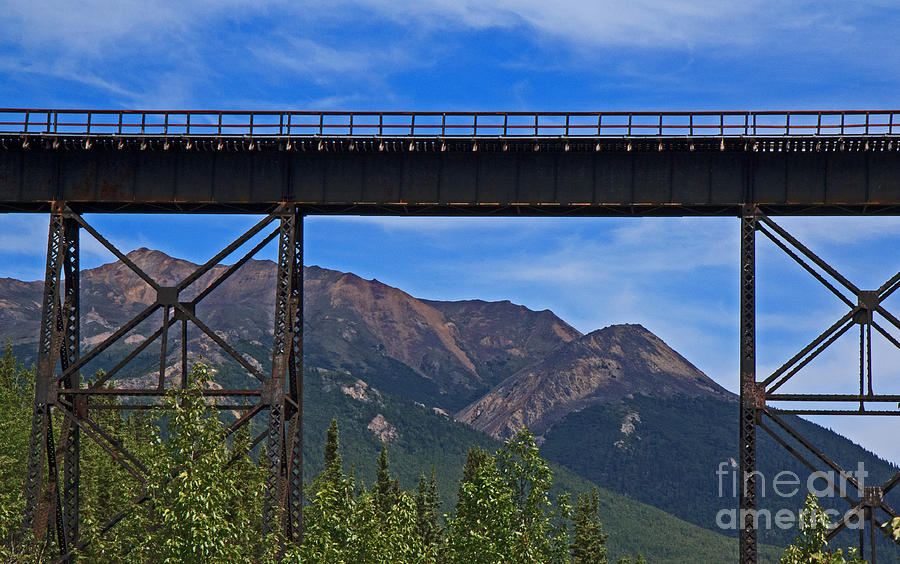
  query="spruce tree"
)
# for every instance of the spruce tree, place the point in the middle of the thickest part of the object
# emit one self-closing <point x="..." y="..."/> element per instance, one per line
<point x="333" y="471"/>
<point x="588" y="540"/>
<point x="427" y="505"/>
<point x="475" y="459"/>
<point x="384" y="488"/>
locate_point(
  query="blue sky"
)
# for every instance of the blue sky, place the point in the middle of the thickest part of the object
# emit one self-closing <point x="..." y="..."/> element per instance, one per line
<point x="676" y="276"/>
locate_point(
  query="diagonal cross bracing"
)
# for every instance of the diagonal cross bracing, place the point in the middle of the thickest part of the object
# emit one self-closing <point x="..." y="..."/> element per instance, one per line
<point x="755" y="395"/>
<point x="53" y="508"/>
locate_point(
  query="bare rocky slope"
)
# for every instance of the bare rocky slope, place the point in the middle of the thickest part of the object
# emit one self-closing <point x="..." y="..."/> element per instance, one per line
<point x="445" y="354"/>
<point x="498" y="364"/>
<point x="604" y="366"/>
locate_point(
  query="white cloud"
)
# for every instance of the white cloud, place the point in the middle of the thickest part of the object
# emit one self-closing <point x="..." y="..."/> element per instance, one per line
<point x="190" y="44"/>
<point x="324" y="63"/>
<point x="639" y="248"/>
<point x="639" y="23"/>
<point x="90" y="26"/>
<point x="23" y="234"/>
<point x="824" y="231"/>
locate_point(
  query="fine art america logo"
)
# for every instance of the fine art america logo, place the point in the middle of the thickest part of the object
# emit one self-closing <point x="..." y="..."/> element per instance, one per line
<point x="786" y="484"/>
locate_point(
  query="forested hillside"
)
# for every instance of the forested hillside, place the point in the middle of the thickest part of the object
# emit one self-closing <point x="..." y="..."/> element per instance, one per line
<point x="419" y="440"/>
<point x="628" y="448"/>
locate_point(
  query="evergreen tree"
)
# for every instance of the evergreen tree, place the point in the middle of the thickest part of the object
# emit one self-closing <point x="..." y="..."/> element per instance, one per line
<point x="330" y="520"/>
<point x="16" y="400"/>
<point x="588" y="540"/>
<point x="383" y="491"/>
<point x="475" y="458"/>
<point x="333" y="470"/>
<point x="427" y="504"/>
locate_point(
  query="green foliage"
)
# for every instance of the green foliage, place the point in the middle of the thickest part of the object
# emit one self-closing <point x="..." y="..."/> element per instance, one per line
<point x="198" y="510"/>
<point x="480" y="530"/>
<point x="342" y="527"/>
<point x="16" y="400"/>
<point x="588" y="540"/>
<point x="809" y="546"/>
<point x="384" y="491"/>
<point x="894" y="527"/>
<point x="427" y="439"/>
<point x="332" y="456"/>
<point x="427" y="506"/>
<point x="669" y="459"/>
<point x="503" y="508"/>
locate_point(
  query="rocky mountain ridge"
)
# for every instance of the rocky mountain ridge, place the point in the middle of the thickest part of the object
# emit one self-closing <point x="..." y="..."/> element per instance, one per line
<point x="603" y="366"/>
<point x="497" y="365"/>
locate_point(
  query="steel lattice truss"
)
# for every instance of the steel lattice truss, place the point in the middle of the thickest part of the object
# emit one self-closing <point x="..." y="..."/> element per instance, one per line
<point x="53" y="507"/>
<point x="866" y="311"/>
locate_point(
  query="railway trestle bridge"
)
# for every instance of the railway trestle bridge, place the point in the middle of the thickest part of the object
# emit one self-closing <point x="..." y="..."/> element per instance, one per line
<point x="285" y="165"/>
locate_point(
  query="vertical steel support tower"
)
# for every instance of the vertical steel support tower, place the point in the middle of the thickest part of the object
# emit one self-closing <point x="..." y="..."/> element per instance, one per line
<point x="284" y="391"/>
<point x="748" y="415"/>
<point x="62" y="402"/>
<point x="48" y="509"/>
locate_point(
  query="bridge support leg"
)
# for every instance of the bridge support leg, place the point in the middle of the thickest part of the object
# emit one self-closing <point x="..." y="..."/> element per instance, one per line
<point x="59" y="337"/>
<point x="70" y="438"/>
<point x="748" y="410"/>
<point x="284" y="391"/>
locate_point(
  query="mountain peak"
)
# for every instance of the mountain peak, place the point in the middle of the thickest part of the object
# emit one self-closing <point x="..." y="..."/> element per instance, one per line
<point x="142" y="251"/>
<point x="603" y="366"/>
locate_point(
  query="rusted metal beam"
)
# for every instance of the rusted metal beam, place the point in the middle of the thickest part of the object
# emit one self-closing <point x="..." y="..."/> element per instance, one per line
<point x="749" y="397"/>
<point x="598" y="177"/>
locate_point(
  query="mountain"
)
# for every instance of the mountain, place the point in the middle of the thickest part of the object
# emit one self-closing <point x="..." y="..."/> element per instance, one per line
<point x="502" y="337"/>
<point x="617" y="406"/>
<point x="419" y="438"/>
<point x="444" y="354"/>
<point x="604" y="366"/>
<point x="20" y="310"/>
<point x="678" y="454"/>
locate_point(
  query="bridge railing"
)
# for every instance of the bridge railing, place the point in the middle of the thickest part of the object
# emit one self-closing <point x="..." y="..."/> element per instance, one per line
<point x="447" y="124"/>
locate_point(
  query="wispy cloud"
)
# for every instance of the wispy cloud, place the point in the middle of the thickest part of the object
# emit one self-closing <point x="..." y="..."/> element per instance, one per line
<point x="325" y="63"/>
<point x="23" y="234"/>
<point x="157" y="53"/>
<point x="641" y="23"/>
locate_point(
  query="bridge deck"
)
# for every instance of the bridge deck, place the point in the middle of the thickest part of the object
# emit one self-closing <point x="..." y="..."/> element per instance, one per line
<point x="449" y="163"/>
